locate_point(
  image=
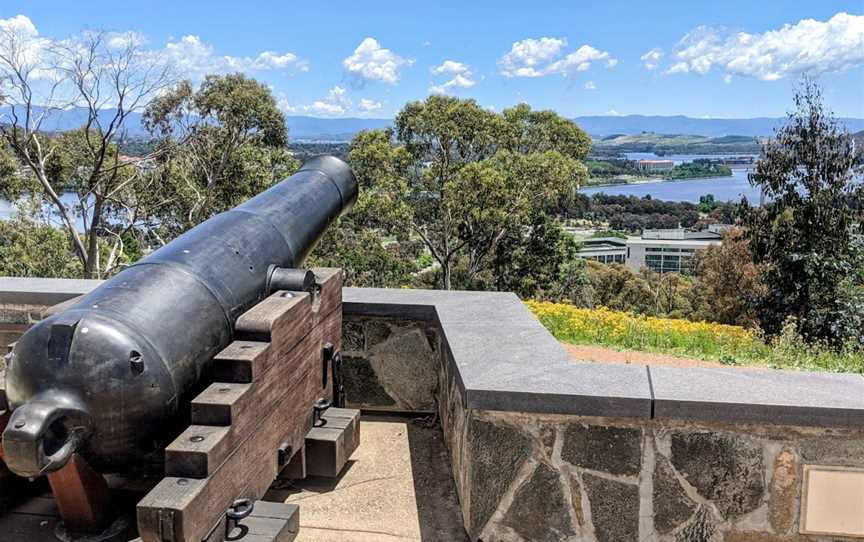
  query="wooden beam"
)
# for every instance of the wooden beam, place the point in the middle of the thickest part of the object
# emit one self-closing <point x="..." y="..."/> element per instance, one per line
<point x="82" y="496"/>
<point x="241" y="425"/>
<point x="237" y="409"/>
<point x="187" y="509"/>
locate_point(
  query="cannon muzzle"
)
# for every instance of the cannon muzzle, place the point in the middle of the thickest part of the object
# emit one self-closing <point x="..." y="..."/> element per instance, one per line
<point x="44" y="433"/>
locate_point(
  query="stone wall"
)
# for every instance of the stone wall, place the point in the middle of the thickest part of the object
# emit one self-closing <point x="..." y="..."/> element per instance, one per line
<point x="548" y="478"/>
<point x="543" y="476"/>
<point x="390" y="364"/>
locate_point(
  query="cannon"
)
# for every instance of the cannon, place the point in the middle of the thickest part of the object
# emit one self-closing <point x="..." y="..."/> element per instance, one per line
<point x="105" y="377"/>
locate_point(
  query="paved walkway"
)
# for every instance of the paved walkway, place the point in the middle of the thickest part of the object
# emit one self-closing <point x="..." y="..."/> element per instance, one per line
<point x="397" y="486"/>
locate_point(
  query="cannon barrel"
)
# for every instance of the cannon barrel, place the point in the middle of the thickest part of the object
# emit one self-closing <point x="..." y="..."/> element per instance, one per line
<point x="105" y="377"/>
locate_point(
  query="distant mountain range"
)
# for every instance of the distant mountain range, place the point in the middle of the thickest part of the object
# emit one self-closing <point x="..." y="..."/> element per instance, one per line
<point x="342" y="129"/>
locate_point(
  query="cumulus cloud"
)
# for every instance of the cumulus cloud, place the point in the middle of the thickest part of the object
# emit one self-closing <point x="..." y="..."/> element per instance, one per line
<point x="189" y="55"/>
<point x="335" y="104"/>
<point x="541" y="57"/>
<point x="590" y="85"/>
<point x="652" y="58"/>
<point x="809" y="46"/>
<point x="371" y="62"/>
<point x="19" y="24"/>
<point x="461" y="77"/>
<point x="193" y="57"/>
<point x="368" y="106"/>
<point x="450" y="66"/>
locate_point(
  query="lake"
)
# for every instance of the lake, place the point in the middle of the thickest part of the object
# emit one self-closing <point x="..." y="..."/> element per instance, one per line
<point x="723" y="188"/>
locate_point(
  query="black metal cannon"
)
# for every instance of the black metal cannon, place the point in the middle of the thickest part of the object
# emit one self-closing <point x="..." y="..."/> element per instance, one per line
<point x="104" y="377"/>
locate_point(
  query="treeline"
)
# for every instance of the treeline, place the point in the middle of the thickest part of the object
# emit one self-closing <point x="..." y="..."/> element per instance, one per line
<point x="634" y="214"/>
<point x="614" y="170"/>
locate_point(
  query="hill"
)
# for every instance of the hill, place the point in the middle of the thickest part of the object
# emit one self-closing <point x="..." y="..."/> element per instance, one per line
<point x="342" y="129"/>
<point x="675" y="144"/>
<point x="599" y="126"/>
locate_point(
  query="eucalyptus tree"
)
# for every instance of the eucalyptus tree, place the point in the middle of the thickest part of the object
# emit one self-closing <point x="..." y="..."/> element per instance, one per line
<point x="460" y="178"/>
<point x="808" y="234"/>
<point x="99" y="81"/>
<point x="224" y="142"/>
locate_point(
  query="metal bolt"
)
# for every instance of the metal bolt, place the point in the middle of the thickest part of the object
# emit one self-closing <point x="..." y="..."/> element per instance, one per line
<point x="19" y="425"/>
<point x="182" y="482"/>
<point x="197" y="438"/>
<point x="223" y="390"/>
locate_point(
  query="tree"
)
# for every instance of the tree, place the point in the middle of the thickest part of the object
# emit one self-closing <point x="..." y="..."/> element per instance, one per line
<point x="460" y="178"/>
<point x="728" y="282"/>
<point x="807" y="235"/>
<point x="616" y="287"/>
<point x="221" y="144"/>
<point x="33" y="249"/>
<point x="106" y="79"/>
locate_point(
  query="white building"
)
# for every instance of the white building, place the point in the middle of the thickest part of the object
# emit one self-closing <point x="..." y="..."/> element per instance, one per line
<point x="662" y="251"/>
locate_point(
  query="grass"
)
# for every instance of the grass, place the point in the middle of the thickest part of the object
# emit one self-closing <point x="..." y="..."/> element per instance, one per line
<point x="732" y="345"/>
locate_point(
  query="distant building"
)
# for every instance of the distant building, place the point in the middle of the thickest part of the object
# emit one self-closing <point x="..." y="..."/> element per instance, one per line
<point x="655" y="165"/>
<point x="662" y="251"/>
<point x="604" y="249"/>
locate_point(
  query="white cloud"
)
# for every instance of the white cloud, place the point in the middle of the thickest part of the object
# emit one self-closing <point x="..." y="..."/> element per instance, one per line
<point x="459" y="81"/>
<point x="367" y="105"/>
<point x="371" y="62"/>
<point x="450" y="66"/>
<point x="527" y="57"/>
<point x="335" y="104"/>
<point x="652" y="58"/>
<point x="809" y="46"/>
<point x="19" y="24"/>
<point x="462" y="77"/>
<point x="590" y="85"/>
<point x="537" y="58"/>
<point x="613" y="113"/>
<point x="195" y="58"/>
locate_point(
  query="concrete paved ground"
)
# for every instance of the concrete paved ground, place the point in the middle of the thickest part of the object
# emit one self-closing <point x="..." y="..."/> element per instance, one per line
<point x="397" y="486"/>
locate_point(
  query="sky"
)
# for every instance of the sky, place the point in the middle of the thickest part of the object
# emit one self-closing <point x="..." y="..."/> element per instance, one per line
<point x="730" y="59"/>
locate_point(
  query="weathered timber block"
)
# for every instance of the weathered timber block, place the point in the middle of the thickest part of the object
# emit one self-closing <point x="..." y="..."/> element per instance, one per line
<point x="188" y="509"/>
<point x="272" y="522"/>
<point x="268" y="522"/>
<point x="282" y="320"/>
<point x="239" y="408"/>
<point x="198" y="451"/>
<point x="228" y="403"/>
<point x="242" y="361"/>
<point x="329" y="446"/>
<point x="329" y="280"/>
<point x="82" y="496"/>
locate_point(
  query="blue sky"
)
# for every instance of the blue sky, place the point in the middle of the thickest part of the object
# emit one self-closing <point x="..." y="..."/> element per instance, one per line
<point x="342" y="58"/>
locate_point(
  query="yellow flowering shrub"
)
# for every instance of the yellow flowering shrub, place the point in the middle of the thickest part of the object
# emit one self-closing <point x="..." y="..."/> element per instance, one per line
<point x="728" y="344"/>
<point x="640" y="332"/>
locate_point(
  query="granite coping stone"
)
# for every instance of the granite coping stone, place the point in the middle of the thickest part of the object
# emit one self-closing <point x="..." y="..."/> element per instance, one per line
<point x="504" y="359"/>
<point x="758" y="395"/>
<point x="41" y="291"/>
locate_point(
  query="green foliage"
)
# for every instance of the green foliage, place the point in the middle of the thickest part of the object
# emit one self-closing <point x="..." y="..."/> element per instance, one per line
<point x="29" y="249"/>
<point x="461" y="179"/>
<point x="728" y="283"/>
<point x="217" y="147"/>
<point x="808" y="233"/>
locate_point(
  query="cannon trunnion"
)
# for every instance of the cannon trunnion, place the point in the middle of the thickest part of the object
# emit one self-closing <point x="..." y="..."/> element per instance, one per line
<point x="105" y="377"/>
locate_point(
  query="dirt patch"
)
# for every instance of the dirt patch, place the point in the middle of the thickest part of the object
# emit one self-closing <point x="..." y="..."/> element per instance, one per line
<point x="600" y="354"/>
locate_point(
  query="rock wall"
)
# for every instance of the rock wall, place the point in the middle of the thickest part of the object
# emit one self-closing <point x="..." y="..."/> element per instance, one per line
<point x="390" y="364"/>
<point x="548" y="477"/>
